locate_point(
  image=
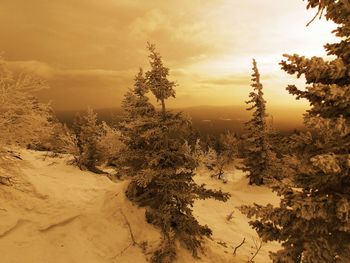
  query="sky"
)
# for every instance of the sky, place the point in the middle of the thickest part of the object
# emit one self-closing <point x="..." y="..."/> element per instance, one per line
<point x="90" y="50"/>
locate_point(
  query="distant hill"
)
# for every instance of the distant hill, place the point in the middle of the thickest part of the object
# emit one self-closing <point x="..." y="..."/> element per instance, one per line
<point x="211" y="119"/>
<point x="108" y="115"/>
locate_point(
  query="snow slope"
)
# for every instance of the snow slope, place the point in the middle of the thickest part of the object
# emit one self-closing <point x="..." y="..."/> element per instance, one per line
<point x="56" y="213"/>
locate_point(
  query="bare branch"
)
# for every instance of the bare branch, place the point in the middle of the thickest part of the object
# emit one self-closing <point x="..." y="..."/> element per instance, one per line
<point x="142" y="245"/>
<point x="129" y="227"/>
<point x="319" y="13"/>
<point x="235" y="250"/>
<point x="257" y="249"/>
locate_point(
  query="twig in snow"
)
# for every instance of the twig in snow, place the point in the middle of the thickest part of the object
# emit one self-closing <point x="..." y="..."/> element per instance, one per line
<point x="130" y="230"/>
<point x="143" y="245"/>
<point x="230" y="216"/>
<point x="122" y="252"/>
<point x="235" y="250"/>
<point x="257" y="249"/>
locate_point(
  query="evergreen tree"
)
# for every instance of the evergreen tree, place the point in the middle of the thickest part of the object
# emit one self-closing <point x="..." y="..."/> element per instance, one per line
<point x="198" y="153"/>
<point x="313" y="219"/>
<point x="87" y="132"/>
<point x="138" y="119"/>
<point x="163" y="173"/>
<point x="257" y="147"/>
<point x="157" y="79"/>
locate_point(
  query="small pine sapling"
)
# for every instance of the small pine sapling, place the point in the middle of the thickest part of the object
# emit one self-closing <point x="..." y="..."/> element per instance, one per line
<point x="226" y="153"/>
<point x="87" y="132"/>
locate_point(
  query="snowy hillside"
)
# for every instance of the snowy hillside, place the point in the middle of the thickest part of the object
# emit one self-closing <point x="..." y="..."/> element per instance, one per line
<point x="56" y="213"/>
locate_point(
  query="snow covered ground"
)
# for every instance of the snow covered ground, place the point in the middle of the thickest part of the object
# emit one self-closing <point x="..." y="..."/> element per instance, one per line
<point x="56" y="213"/>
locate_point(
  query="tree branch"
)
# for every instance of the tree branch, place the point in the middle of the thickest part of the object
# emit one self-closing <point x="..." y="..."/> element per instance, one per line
<point x="129" y="227"/>
<point x="142" y="245"/>
<point x="234" y="251"/>
<point x="257" y="247"/>
<point x="319" y="12"/>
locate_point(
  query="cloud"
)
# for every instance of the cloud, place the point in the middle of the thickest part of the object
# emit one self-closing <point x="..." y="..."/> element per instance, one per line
<point x="232" y="80"/>
<point x="102" y="34"/>
<point x="75" y="89"/>
<point x="89" y="50"/>
<point x="38" y="68"/>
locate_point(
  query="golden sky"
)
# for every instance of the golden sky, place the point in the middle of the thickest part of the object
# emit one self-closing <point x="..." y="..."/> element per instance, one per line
<point x="89" y="50"/>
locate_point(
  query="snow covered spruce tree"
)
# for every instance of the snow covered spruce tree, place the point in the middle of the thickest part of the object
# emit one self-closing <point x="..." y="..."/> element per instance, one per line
<point x="313" y="219"/>
<point x="87" y="132"/>
<point x="163" y="168"/>
<point x="138" y="119"/>
<point x="257" y="146"/>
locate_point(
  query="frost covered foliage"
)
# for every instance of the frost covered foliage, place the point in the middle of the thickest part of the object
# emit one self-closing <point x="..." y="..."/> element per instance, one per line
<point x="138" y="119"/>
<point x="109" y="144"/>
<point x="210" y="158"/>
<point x="60" y="139"/>
<point x="257" y="149"/>
<point x="313" y="219"/>
<point x="197" y="152"/>
<point x="23" y="120"/>
<point x="87" y="132"/>
<point x="226" y="150"/>
<point x="161" y="165"/>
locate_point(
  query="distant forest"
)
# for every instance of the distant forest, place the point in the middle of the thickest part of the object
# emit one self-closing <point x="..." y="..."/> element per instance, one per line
<point x="208" y="120"/>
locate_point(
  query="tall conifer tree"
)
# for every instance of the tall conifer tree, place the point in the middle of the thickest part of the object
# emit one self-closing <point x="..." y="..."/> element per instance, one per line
<point x="163" y="180"/>
<point x="313" y="219"/>
<point x="257" y="147"/>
